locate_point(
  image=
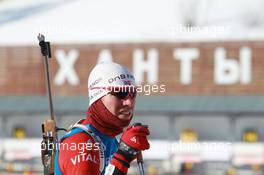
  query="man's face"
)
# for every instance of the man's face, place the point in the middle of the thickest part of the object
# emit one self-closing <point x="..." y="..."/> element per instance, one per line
<point x="123" y="108"/>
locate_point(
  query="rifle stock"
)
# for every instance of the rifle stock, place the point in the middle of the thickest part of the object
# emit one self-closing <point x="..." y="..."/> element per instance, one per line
<point x="49" y="138"/>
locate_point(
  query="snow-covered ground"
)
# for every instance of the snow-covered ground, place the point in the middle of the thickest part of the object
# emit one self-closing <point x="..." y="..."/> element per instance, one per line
<point x="104" y="21"/>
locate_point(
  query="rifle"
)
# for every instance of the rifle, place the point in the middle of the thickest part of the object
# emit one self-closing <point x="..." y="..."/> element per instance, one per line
<point x="49" y="129"/>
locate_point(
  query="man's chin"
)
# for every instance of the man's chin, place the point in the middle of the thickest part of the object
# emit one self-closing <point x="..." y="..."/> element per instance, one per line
<point x="125" y="116"/>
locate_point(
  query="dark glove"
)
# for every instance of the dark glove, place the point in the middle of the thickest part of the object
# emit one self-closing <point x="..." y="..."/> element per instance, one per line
<point x="133" y="140"/>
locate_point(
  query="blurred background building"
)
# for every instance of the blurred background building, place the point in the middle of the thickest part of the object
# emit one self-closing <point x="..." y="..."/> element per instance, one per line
<point x="199" y="64"/>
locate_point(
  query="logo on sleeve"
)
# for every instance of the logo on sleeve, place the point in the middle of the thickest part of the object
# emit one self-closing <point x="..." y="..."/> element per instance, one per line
<point x="84" y="157"/>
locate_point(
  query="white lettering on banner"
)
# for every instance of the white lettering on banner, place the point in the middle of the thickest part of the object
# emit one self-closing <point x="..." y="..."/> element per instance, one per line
<point x="150" y="66"/>
<point x="230" y="71"/>
<point x="186" y="56"/>
<point x="245" y="65"/>
<point x="66" y="71"/>
<point x="105" y="56"/>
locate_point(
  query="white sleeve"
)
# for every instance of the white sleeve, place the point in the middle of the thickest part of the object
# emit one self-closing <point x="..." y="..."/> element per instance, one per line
<point x="112" y="170"/>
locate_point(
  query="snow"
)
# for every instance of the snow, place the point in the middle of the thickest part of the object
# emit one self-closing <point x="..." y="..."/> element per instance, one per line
<point x="115" y="21"/>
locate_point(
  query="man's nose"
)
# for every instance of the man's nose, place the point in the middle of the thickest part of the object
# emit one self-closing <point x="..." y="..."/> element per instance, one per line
<point x="128" y="102"/>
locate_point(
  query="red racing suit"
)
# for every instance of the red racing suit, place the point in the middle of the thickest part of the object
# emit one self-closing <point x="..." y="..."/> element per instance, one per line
<point x="90" y="147"/>
<point x="80" y="153"/>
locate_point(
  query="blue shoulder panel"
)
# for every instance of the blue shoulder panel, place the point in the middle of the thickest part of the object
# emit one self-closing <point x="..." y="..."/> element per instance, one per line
<point x="110" y="146"/>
